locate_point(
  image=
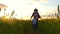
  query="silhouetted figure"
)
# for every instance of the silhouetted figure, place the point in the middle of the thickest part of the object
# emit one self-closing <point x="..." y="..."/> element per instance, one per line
<point x="35" y="16"/>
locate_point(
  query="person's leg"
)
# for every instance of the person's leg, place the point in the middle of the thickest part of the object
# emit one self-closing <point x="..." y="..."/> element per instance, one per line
<point x="37" y="24"/>
<point x="35" y="28"/>
<point x="34" y="25"/>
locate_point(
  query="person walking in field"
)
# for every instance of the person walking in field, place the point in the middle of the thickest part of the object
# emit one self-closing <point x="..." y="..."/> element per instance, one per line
<point x="35" y="16"/>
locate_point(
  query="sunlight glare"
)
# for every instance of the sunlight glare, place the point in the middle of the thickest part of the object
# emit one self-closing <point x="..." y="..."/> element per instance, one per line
<point x="26" y="7"/>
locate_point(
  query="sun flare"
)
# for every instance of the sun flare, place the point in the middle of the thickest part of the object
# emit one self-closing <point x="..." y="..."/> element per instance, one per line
<point x="24" y="8"/>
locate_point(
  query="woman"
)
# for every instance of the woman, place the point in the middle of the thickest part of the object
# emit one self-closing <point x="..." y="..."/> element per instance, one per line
<point x="35" y="16"/>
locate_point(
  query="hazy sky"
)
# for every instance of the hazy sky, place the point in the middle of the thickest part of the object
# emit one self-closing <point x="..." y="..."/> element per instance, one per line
<point x="26" y="7"/>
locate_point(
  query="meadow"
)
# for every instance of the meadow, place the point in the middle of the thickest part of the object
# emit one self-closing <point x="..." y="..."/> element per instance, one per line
<point x="47" y="26"/>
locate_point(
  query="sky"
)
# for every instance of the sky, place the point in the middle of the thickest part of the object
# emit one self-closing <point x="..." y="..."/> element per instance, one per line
<point x="26" y="7"/>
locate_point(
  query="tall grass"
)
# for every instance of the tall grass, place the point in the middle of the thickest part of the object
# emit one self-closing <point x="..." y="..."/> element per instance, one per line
<point x="25" y="27"/>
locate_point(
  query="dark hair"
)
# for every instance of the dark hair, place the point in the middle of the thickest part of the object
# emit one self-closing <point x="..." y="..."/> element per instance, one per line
<point x="35" y="10"/>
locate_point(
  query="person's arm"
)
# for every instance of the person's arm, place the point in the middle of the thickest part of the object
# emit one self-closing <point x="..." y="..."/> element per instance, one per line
<point x="39" y="16"/>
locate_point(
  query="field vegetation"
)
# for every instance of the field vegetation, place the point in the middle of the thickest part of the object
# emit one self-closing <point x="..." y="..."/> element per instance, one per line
<point x="47" y="26"/>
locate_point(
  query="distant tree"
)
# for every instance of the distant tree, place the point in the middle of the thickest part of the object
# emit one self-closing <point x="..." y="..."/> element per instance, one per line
<point x="0" y="9"/>
<point x="4" y="11"/>
<point x="58" y="12"/>
<point x="12" y="12"/>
